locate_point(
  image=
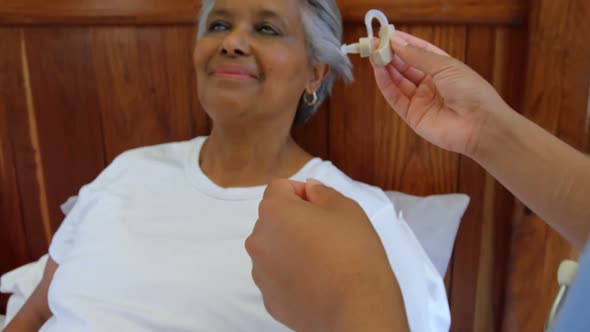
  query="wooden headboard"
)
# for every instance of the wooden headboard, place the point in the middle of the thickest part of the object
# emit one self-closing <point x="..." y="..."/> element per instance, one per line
<point x="82" y="81"/>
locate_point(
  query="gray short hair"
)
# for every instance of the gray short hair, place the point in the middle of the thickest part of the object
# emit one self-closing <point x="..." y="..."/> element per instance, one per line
<point x="322" y="22"/>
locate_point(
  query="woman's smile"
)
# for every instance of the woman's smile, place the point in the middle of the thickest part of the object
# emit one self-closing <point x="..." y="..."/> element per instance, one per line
<point x="234" y="72"/>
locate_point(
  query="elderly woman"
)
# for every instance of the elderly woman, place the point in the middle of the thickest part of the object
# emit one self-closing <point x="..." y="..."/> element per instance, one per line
<point x="156" y="241"/>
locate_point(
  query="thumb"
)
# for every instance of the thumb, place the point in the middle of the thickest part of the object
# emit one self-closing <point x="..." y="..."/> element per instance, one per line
<point x="321" y="195"/>
<point x="421" y="58"/>
<point x="284" y="188"/>
<point x="299" y="189"/>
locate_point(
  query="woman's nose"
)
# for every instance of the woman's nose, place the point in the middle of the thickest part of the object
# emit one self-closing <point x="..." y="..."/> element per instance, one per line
<point x="236" y="44"/>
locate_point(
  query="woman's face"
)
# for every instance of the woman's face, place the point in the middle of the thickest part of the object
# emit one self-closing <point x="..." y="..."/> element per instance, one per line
<point x="252" y="61"/>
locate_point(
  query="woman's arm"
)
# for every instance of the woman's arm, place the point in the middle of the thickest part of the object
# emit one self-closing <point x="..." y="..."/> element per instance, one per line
<point x="547" y="175"/>
<point x="453" y="107"/>
<point x="36" y="311"/>
<point x="337" y="276"/>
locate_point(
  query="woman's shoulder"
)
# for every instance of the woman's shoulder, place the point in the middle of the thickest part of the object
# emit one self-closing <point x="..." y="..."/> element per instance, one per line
<point x="170" y="151"/>
<point x="371" y="198"/>
<point x="152" y="159"/>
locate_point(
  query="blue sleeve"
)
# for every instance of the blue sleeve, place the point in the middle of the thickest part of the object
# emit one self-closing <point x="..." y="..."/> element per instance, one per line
<point x="574" y="314"/>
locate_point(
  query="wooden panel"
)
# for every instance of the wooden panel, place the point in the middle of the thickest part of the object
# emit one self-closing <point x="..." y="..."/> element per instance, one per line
<point x="542" y="67"/>
<point x="481" y="253"/>
<point x="472" y="181"/>
<point x="98" y="11"/>
<point x="525" y="282"/>
<point x="21" y="126"/>
<point x="556" y="250"/>
<point x="449" y="280"/>
<point x="439" y="11"/>
<point x="66" y="110"/>
<point x="313" y="136"/>
<point x="147" y="86"/>
<point x="558" y="74"/>
<point x="186" y="11"/>
<point x="574" y="118"/>
<point x="536" y="252"/>
<point x="499" y="257"/>
<point x="471" y="257"/>
<point x="587" y="122"/>
<point x="368" y="140"/>
<point x="352" y="117"/>
<point x="13" y="245"/>
<point x="508" y="79"/>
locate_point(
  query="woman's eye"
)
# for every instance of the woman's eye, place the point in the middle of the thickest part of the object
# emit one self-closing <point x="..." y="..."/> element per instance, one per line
<point x="218" y="26"/>
<point x="268" y="30"/>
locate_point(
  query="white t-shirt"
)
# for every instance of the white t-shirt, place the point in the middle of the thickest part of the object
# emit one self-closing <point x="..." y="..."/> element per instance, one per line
<point x="153" y="245"/>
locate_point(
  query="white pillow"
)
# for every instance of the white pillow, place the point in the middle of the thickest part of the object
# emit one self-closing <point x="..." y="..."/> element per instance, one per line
<point x="434" y="220"/>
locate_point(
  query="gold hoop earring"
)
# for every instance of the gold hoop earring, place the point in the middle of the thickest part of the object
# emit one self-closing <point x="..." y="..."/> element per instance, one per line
<point x="307" y="101"/>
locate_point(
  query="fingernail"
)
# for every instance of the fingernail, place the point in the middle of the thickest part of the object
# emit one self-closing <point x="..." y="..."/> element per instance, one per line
<point x="398" y="42"/>
<point x="313" y="182"/>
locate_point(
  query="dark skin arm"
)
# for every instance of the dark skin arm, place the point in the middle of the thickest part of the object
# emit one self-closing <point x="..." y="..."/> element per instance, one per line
<point x="298" y="254"/>
<point x="35" y="312"/>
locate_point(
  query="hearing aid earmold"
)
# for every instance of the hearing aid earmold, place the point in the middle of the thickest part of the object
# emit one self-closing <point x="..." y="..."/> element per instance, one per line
<point x="383" y="54"/>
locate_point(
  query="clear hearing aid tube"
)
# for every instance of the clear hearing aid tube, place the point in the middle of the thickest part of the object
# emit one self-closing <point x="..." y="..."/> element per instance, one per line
<point x="382" y="55"/>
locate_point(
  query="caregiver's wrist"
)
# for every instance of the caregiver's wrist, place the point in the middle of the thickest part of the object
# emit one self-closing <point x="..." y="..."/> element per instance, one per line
<point x="376" y="307"/>
<point x="495" y="135"/>
<point x="364" y="319"/>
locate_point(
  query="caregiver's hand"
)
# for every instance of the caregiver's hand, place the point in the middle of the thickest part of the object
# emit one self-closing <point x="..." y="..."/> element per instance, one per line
<point x="451" y="106"/>
<point x="319" y="263"/>
<point x="441" y="98"/>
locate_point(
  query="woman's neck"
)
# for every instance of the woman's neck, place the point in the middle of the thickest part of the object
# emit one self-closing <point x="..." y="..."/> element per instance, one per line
<point x="246" y="158"/>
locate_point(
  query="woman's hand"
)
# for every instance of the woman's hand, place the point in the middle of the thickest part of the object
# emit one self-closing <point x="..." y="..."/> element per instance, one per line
<point x="441" y="98"/>
<point x="320" y="264"/>
<point x="451" y="106"/>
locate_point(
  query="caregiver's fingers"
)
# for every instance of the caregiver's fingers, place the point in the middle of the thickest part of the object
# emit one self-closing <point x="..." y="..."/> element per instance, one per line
<point x="407" y="87"/>
<point x="283" y="188"/>
<point x="414" y="75"/>
<point x="394" y="96"/>
<point x="324" y="196"/>
<point x="421" y="43"/>
<point x="420" y="58"/>
<point x="386" y="76"/>
<point x="299" y="189"/>
<point x="283" y="201"/>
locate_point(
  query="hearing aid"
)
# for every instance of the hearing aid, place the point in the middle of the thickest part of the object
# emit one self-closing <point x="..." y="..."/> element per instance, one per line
<point x="383" y="54"/>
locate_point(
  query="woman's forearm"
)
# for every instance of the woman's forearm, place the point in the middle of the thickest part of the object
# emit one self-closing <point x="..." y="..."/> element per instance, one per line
<point x="28" y="319"/>
<point x="547" y="175"/>
<point x="35" y="312"/>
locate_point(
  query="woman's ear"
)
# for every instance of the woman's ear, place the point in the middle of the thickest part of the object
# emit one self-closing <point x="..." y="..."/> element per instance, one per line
<point x="318" y="73"/>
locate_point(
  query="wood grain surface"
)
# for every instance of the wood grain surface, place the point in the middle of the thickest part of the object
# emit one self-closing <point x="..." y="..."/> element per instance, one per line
<point x="147" y="86"/>
<point x="14" y="242"/>
<point x="186" y="11"/>
<point x="66" y="109"/>
<point x="556" y="97"/>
